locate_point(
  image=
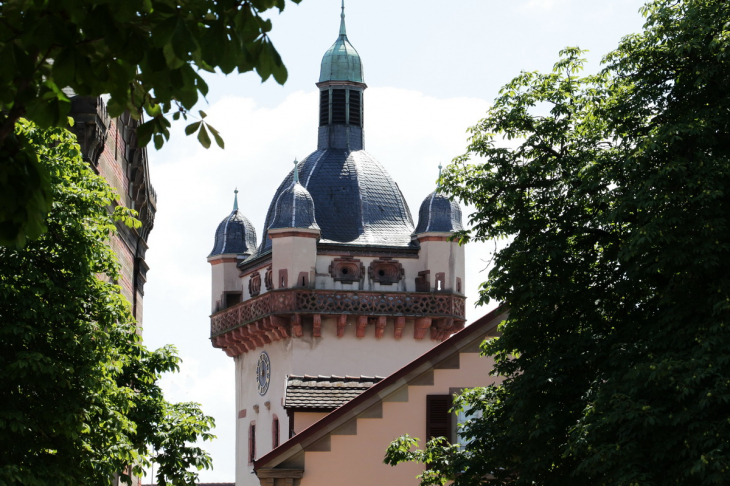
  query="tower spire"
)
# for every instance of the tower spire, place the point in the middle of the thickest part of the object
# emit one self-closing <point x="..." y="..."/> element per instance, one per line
<point x="235" y="200"/>
<point x="343" y="31"/>
<point x="296" y="165"/>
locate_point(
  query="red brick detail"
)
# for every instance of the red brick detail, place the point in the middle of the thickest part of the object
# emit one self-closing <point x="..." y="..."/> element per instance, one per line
<point x="341" y="324"/>
<point x="423" y="283"/>
<point x="242" y="413"/>
<point x="317" y="325"/>
<point x="400" y="323"/>
<point x="380" y="327"/>
<point x="254" y="284"/>
<point x="296" y="325"/>
<point x="283" y="278"/>
<point x="442" y="329"/>
<point x="222" y="260"/>
<point x="362" y="322"/>
<point x="346" y="269"/>
<point x="299" y="234"/>
<point x="422" y="325"/>
<point x="386" y="271"/>
<point x="269" y="279"/>
<point x="440" y="284"/>
<point x="303" y="280"/>
<point x="458" y="285"/>
<point x="423" y="239"/>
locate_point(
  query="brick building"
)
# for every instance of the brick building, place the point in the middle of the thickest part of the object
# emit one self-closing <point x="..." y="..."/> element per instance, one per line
<point x="110" y="147"/>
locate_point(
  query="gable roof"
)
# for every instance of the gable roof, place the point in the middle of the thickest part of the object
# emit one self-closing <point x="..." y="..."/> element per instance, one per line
<point x="324" y="392"/>
<point x="486" y="325"/>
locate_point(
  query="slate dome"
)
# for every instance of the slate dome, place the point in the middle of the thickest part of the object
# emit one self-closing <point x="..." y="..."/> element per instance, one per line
<point x="293" y="208"/>
<point x="356" y="201"/>
<point x="439" y="214"/>
<point x="235" y="234"/>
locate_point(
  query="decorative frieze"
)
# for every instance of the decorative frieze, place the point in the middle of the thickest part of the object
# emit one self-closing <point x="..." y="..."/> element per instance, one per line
<point x="254" y="284"/>
<point x="346" y="270"/>
<point x="278" y="314"/>
<point x="386" y="271"/>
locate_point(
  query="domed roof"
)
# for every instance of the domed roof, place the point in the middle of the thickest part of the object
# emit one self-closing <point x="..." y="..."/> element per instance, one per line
<point x="341" y="62"/>
<point x="439" y="214"/>
<point x="235" y="234"/>
<point x="294" y="207"/>
<point x="356" y="201"/>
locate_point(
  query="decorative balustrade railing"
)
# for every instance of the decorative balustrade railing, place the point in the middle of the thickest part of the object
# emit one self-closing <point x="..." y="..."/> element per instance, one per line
<point x="338" y="302"/>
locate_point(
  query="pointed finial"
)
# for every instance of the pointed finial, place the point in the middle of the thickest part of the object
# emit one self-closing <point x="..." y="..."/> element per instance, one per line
<point x="342" y="22"/>
<point x="439" y="182"/>
<point x="235" y="200"/>
<point x="296" y="168"/>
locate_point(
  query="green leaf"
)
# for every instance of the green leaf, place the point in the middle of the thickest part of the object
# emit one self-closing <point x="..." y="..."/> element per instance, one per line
<point x="203" y="137"/>
<point x="192" y="128"/>
<point x="217" y="137"/>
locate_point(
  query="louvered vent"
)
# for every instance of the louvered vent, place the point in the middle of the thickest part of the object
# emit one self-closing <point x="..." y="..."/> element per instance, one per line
<point x="339" y="102"/>
<point x="438" y="418"/>
<point x="355" y="107"/>
<point x="324" y="107"/>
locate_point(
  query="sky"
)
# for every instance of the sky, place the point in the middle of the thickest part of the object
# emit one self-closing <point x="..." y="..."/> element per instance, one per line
<point x="432" y="69"/>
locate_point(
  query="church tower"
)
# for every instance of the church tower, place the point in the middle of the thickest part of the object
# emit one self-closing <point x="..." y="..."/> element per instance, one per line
<point x="342" y="289"/>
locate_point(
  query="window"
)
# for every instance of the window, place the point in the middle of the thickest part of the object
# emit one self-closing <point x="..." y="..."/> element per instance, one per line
<point x="438" y="417"/>
<point x="355" y="108"/>
<point x="324" y="107"/>
<point x="461" y="418"/>
<point x="252" y="442"/>
<point x="339" y="102"/>
<point x="275" y="433"/>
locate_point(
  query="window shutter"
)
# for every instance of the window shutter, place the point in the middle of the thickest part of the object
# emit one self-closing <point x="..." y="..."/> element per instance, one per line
<point x="438" y="418"/>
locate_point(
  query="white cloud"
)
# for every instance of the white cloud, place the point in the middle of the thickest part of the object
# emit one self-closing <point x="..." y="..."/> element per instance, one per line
<point x="537" y="6"/>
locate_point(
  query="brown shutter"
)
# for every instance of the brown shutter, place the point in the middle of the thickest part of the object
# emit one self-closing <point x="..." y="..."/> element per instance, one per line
<point x="438" y="418"/>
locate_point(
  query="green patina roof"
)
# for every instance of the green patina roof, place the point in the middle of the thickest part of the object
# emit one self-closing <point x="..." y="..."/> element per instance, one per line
<point x="341" y="62"/>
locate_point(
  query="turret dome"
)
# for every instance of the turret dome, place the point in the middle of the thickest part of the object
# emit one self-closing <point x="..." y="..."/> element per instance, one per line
<point x="293" y="207"/>
<point x="235" y="234"/>
<point x="341" y="62"/>
<point x="356" y="200"/>
<point x="439" y="214"/>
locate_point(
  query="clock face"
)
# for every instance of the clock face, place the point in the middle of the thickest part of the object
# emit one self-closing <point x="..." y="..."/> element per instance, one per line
<point x="263" y="373"/>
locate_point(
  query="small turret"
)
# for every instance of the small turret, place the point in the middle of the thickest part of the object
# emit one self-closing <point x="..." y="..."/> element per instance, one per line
<point x="442" y="260"/>
<point x="294" y="233"/>
<point x="235" y="240"/>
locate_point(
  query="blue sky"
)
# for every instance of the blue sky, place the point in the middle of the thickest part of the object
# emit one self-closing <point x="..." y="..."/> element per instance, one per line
<point x="432" y="69"/>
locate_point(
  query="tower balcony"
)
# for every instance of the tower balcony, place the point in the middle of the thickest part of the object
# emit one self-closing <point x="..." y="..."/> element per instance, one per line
<point x="280" y="314"/>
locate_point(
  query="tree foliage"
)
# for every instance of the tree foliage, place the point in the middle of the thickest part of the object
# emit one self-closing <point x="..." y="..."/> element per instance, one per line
<point x="79" y="393"/>
<point x="615" y="194"/>
<point x="146" y="54"/>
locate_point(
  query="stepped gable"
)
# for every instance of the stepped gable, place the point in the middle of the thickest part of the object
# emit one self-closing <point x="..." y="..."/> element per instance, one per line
<point x="356" y="201"/>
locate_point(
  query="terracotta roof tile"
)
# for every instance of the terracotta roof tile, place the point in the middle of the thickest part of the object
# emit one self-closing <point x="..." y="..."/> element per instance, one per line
<point x="329" y="392"/>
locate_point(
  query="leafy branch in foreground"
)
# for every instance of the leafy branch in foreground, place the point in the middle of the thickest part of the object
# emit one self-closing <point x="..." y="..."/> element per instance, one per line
<point x="145" y="54"/>
<point x="79" y="394"/>
<point x="615" y="357"/>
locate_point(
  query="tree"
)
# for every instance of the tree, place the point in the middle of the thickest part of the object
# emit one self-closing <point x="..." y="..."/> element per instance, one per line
<point x="143" y="53"/>
<point x="79" y="393"/>
<point x="616" y="200"/>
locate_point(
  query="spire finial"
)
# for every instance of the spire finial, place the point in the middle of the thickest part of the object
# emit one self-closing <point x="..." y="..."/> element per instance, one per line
<point x="342" y="22"/>
<point x="296" y="166"/>
<point x="235" y="200"/>
<point x="439" y="181"/>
